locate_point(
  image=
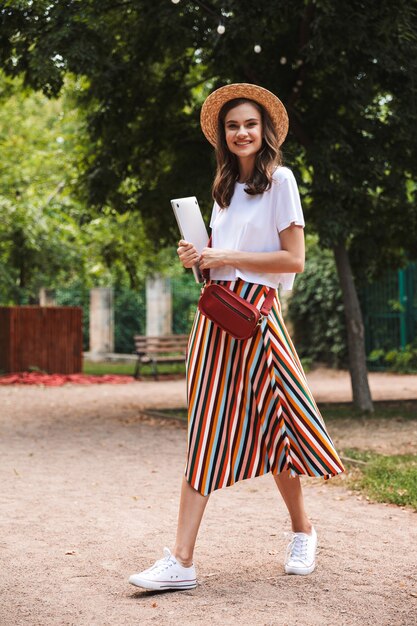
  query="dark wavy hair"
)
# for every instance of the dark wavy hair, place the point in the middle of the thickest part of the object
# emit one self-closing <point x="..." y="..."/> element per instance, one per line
<point x="267" y="159"/>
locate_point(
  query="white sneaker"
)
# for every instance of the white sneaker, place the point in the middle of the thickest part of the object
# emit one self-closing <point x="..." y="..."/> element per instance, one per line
<point x="301" y="553"/>
<point x="166" y="573"/>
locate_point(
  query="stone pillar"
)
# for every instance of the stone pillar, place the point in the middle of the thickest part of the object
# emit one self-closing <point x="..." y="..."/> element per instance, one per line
<point x="101" y="320"/>
<point x="47" y="297"/>
<point x="158" y="306"/>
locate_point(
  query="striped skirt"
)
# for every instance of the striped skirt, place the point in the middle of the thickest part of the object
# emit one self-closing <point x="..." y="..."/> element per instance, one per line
<point x="250" y="410"/>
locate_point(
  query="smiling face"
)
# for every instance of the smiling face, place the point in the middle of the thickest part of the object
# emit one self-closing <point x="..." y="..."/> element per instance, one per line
<point x="243" y="130"/>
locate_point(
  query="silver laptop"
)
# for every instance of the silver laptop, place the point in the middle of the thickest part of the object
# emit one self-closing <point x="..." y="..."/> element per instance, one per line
<point x="192" y="227"/>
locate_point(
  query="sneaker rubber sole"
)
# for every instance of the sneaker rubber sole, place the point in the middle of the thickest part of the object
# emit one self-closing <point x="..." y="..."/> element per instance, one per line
<point x="301" y="571"/>
<point x="162" y="584"/>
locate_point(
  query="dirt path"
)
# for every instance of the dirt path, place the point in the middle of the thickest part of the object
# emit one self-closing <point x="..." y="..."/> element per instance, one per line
<point x="90" y="495"/>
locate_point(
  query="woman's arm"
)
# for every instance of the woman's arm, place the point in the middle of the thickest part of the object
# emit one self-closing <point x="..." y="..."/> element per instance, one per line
<point x="290" y="259"/>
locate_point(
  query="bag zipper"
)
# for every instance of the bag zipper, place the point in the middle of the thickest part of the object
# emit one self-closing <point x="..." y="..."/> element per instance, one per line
<point x="249" y="319"/>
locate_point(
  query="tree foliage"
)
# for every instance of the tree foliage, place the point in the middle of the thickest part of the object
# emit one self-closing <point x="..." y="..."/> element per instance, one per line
<point x="345" y="70"/>
<point x="39" y="210"/>
<point x="49" y="235"/>
<point x="140" y="65"/>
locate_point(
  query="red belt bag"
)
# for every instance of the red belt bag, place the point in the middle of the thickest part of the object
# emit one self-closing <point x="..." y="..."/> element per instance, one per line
<point x="233" y="314"/>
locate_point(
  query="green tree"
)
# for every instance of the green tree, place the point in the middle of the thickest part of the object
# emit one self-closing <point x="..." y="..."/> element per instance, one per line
<point x="49" y="236"/>
<point x="39" y="211"/>
<point x="142" y="80"/>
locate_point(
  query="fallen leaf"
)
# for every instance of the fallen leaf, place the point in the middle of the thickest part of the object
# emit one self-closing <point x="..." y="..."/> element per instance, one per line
<point x="154" y="605"/>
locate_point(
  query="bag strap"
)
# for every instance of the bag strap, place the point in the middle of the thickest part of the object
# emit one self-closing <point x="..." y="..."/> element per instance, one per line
<point x="206" y="273"/>
<point x="269" y="300"/>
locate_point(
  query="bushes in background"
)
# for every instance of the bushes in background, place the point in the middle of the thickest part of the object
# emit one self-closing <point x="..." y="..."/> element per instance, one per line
<point x="401" y="361"/>
<point x="316" y="312"/>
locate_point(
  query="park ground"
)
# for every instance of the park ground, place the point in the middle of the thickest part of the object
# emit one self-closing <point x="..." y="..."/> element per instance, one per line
<point x="89" y="495"/>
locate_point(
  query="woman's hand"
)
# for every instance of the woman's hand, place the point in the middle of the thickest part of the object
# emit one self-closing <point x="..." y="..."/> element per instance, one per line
<point x="213" y="257"/>
<point x="187" y="253"/>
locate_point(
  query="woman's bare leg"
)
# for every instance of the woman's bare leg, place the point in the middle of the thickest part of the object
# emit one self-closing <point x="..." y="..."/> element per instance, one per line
<point x="292" y="495"/>
<point x="192" y="505"/>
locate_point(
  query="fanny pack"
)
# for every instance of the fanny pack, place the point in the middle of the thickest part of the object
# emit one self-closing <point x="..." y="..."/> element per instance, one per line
<point x="233" y="314"/>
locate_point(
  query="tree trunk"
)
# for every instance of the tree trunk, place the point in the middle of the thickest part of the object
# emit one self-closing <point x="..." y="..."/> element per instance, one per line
<point x="355" y="332"/>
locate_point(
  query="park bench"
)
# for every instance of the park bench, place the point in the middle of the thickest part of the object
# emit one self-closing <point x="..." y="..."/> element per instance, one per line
<point x="163" y="349"/>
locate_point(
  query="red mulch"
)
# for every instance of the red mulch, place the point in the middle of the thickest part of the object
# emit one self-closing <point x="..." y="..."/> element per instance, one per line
<point x="55" y="380"/>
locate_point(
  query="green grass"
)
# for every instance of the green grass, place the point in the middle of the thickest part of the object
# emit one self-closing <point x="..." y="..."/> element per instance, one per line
<point x="385" y="478"/>
<point x="127" y="369"/>
<point x="178" y="414"/>
<point x="391" y="409"/>
<point x="98" y="369"/>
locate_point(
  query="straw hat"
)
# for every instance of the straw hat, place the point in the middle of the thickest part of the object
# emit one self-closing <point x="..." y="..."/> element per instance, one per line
<point x="214" y="102"/>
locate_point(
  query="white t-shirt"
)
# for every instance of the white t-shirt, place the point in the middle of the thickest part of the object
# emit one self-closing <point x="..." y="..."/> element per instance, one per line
<point x="253" y="224"/>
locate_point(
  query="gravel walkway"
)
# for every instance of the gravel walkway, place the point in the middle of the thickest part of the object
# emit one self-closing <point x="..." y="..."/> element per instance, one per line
<point x="90" y="494"/>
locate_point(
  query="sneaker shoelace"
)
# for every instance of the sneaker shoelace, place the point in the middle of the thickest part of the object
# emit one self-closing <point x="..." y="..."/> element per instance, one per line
<point x="297" y="549"/>
<point x="162" y="564"/>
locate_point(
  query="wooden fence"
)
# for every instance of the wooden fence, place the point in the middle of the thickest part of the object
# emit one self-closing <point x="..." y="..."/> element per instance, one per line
<point x="48" y="338"/>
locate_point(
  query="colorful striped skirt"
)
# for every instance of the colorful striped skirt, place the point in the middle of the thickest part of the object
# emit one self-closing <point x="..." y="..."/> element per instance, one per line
<point x="250" y="410"/>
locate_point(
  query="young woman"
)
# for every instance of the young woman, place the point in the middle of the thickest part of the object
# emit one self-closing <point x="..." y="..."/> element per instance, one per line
<point x="250" y="410"/>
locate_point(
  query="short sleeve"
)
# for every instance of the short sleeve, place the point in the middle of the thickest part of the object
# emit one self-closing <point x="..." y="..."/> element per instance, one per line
<point x="288" y="204"/>
<point x="214" y="214"/>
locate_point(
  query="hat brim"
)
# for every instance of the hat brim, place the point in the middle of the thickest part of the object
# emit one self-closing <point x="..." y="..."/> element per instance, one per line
<point x="212" y="105"/>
